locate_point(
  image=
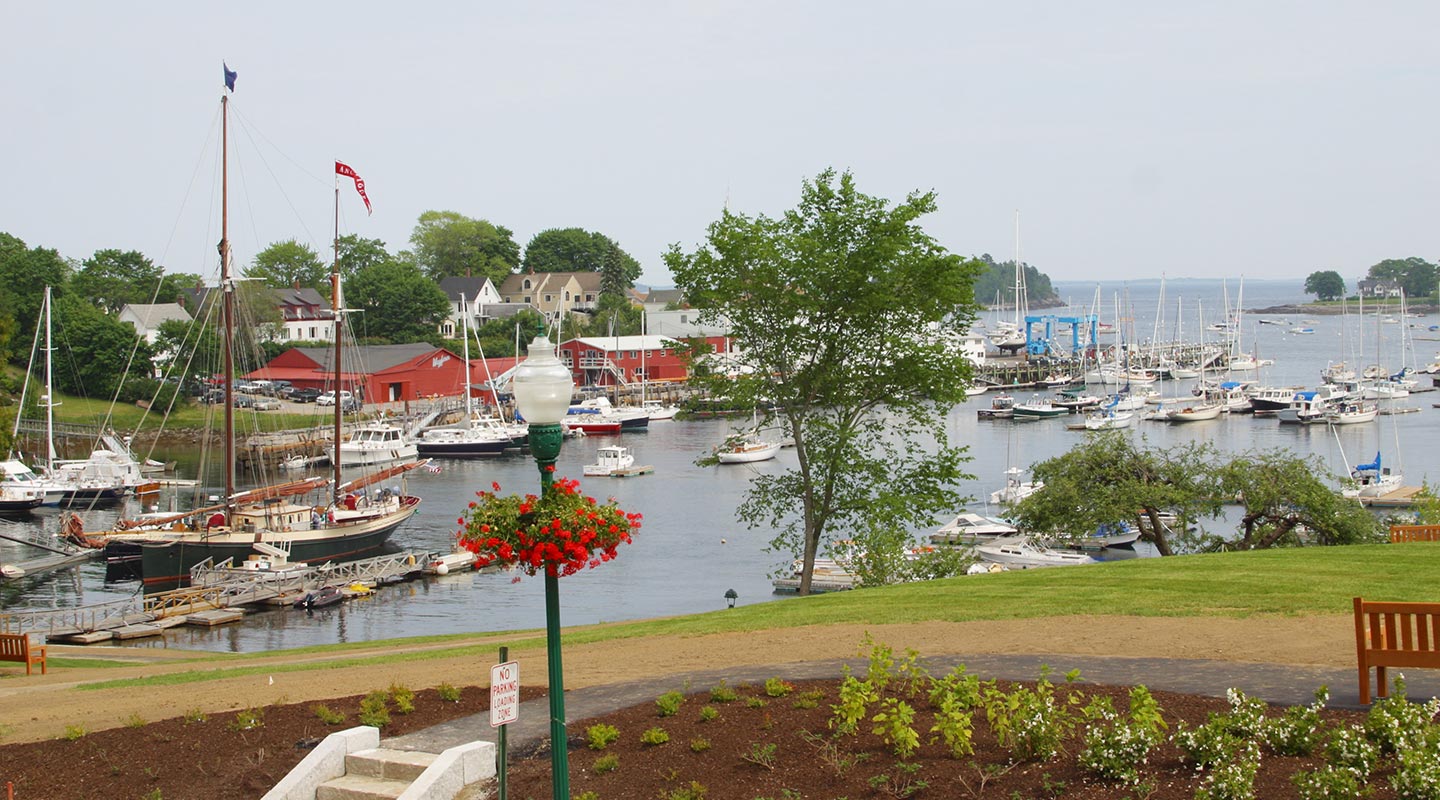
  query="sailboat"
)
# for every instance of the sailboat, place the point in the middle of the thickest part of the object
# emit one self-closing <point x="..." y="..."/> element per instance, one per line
<point x="61" y="482"/>
<point x="310" y="520"/>
<point x="657" y="410"/>
<point x="748" y="446"/>
<point x="470" y="438"/>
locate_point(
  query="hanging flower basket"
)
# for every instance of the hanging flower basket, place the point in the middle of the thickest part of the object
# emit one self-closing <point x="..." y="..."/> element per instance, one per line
<point x="559" y="534"/>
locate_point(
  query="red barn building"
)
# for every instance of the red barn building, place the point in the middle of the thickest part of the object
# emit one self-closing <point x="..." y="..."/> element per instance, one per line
<point x="619" y="360"/>
<point x="384" y="373"/>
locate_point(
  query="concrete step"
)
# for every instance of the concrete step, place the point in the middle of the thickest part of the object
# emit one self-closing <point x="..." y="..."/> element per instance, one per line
<point x="360" y="787"/>
<point x="382" y="762"/>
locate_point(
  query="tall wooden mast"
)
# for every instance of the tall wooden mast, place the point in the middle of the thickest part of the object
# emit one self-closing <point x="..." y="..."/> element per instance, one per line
<point x="227" y="289"/>
<point x="339" y="371"/>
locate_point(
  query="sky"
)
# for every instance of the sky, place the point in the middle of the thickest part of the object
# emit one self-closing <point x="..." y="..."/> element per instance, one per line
<point x="1134" y="139"/>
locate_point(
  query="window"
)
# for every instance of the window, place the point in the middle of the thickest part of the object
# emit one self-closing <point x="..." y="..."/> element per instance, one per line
<point x="565" y="358"/>
<point x="527" y="284"/>
<point x="634" y="354"/>
<point x="683" y="320"/>
<point x="312" y="334"/>
<point x="567" y="295"/>
<point x="549" y="298"/>
<point x="589" y="298"/>
<point x="527" y="299"/>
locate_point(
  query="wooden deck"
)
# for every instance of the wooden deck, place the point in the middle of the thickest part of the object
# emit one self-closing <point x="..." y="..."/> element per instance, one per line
<point x="1400" y="498"/>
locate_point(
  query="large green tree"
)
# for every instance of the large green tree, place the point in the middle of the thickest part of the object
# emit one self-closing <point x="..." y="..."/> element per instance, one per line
<point x="398" y="303"/>
<point x="447" y="244"/>
<point x="1110" y="479"/>
<point x="579" y="250"/>
<point x="1286" y="504"/>
<point x="113" y="279"/>
<point x="357" y="254"/>
<point x="24" y="274"/>
<point x="1414" y="274"/>
<point x="844" y="313"/>
<point x="997" y="283"/>
<point x="95" y="352"/>
<point x="1325" y="285"/>
<point x="289" y="263"/>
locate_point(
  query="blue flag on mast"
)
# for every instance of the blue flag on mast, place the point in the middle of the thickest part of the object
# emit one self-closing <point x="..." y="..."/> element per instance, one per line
<point x="229" y="76"/>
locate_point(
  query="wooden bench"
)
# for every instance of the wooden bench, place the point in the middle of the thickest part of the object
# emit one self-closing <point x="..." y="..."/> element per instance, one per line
<point x="16" y="647"/>
<point x="1414" y="533"/>
<point x="1394" y="635"/>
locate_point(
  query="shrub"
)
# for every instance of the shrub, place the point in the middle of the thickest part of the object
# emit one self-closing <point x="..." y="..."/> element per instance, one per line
<point x="375" y="710"/>
<point x="1350" y="750"/>
<point x="699" y="744"/>
<point x="607" y="763"/>
<point x="135" y="721"/>
<point x="403" y="697"/>
<point x="194" y="716"/>
<point x="1297" y="731"/>
<point x="1031" y="723"/>
<point x="1116" y="748"/>
<point x="762" y="754"/>
<point x="855" y="699"/>
<point x="326" y="715"/>
<point x="654" y="736"/>
<point x="695" y="791"/>
<point x="955" y="726"/>
<point x="894" y="726"/>
<point x="1417" y="771"/>
<point x="598" y="737"/>
<point x="776" y="687"/>
<point x="723" y="694"/>
<point x="669" y="703"/>
<point x="708" y="713"/>
<point x="809" y="699"/>
<point x="247" y="720"/>
<point x="1395" y="723"/>
<point x="901" y="783"/>
<point x="966" y="689"/>
<point x="1235" y="778"/>
<point x="755" y="702"/>
<point x="74" y="732"/>
<point x="448" y="693"/>
<point x="1329" y="783"/>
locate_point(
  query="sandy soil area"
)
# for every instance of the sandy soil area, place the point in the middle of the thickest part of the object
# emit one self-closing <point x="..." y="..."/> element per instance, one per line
<point x="37" y="707"/>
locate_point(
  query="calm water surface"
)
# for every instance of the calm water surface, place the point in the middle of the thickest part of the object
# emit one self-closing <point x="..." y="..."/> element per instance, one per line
<point x="691" y="549"/>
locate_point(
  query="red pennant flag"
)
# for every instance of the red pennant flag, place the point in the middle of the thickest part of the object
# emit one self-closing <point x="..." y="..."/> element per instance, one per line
<point x="342" y="169"/>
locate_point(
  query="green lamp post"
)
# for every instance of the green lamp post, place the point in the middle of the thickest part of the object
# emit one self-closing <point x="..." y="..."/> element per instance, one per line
<point x="542" y="388"/>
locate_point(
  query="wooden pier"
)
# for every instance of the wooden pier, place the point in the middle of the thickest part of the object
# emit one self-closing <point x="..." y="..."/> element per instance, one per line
<point x="60" y="554"/>
<point x="1404" y="497"/>
<point x="221" y="594"/>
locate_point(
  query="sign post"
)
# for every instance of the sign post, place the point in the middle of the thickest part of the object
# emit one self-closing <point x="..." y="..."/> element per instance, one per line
<point x="504" y="708"/>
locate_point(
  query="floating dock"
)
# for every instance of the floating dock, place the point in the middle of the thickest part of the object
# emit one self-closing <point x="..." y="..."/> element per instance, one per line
<point x="1404" y="497"/>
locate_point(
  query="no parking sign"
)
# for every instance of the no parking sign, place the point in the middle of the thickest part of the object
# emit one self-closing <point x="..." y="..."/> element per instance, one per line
<point x="504" y="693"/>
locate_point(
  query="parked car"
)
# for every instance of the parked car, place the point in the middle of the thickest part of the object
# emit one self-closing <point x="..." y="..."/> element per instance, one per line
<point x="328" y="398"/>
<point x="349" y="404"/>
<point x="243" y="401"/>
<point x="213" y="396"/>
<point x="265" y="404"/>
<point x="302" y="395"/>
<point x="259" y="387"/>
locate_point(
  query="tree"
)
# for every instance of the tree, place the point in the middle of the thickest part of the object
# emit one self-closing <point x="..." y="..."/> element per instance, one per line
<point x="357" y="254"/>
<point x="497" y="337"/>
<point x="289" y="263"/>
<point x="24" y="274"/>
<point x="1325" y="285"/>
<point x="1414" y="274"/>
<point x="997" y="280"/>
<point x="1285" y="504"/>
<point x="845" y="315"/>
<point x="579" y="250"/>
<point x="448" y="244"/>
<point x="614" y="315"/>
<point x="113" y="279"/>
<point x="1108" y="479"/>
<point x="94" y="350"/>
<point x="398" y="303"/>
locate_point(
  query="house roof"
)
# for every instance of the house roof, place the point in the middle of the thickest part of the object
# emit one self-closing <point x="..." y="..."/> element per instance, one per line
<point x="665" y="296"/>
<point x="456" y="285"/>
<point x="370" y="358"/>
<point x="150" y="315"/>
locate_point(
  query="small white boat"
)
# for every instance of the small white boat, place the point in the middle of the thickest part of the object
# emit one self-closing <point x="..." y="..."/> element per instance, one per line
<point x="968" y="528"/>
<point x="1015" y="489"/>
<point x="746" y="449"/>
<point x="1038" y="408"/>
<point x="1303" y="330"/>
<point x="1025" y="553"/>
<point x="1105" y="419"/>
<point x="377" y="444"/>
<point x="614" y="461"/>
<point x="11" y="572"/>
<point x="1372" y="480"/>
<point x="659" y="411"/>
<point x="1195" y="412"/>
<point x="1352" y="412"/>
<point x="456" y="560"/>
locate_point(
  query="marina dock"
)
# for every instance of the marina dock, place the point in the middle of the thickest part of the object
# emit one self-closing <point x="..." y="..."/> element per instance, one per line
<point x="219" y="594"/>
<point x="59" y="554"/>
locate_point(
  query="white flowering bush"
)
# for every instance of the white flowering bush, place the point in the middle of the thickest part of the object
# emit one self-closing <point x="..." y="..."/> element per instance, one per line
<point x="1298" y="730"/>
<point x="1417" y="773"/>
<point x="1350" y="750"/>
<point x="1114" y="747"/>
<point x="1328" y="783"/>
<point x="1235" y="778"/>
<point x="1394" y="723"/>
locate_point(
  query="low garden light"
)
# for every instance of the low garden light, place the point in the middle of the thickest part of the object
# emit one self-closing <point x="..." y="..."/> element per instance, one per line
<point x="730" y="598"/>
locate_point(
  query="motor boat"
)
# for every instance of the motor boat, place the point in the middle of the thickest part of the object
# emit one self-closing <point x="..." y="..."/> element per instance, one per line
<point x="1023" y="552"/>
<point x="969" y="528"/>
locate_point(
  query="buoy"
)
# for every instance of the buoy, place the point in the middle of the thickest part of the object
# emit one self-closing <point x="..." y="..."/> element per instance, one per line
<point x="442" y="568"/>
<point x="722" y="541"/>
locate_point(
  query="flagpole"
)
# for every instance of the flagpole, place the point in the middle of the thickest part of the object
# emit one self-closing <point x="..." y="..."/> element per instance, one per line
<point x="339" y="368"/>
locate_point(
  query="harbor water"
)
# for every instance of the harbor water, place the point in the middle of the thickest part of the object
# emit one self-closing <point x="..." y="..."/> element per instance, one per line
<point x="691" y="549"/>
